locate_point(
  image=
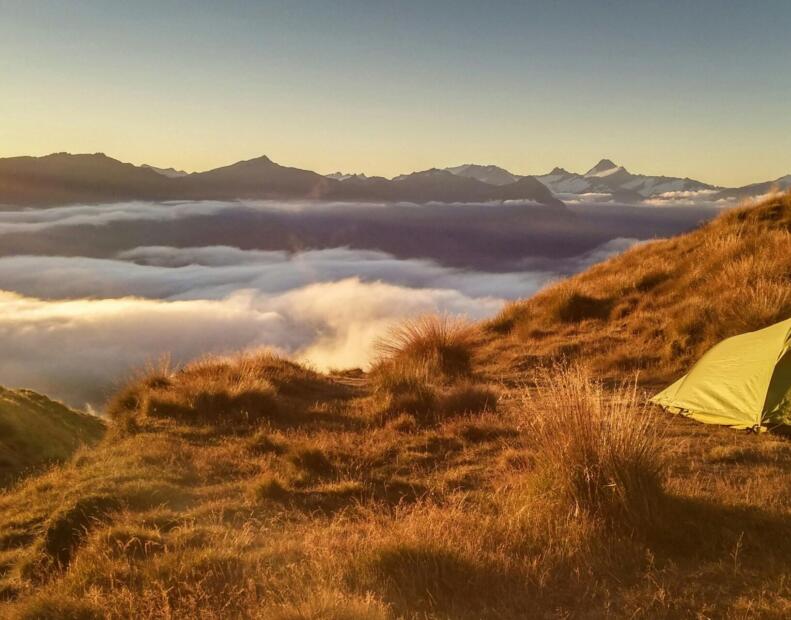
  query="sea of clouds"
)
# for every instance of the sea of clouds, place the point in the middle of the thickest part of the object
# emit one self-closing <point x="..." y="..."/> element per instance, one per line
<point x="76" y="327"/>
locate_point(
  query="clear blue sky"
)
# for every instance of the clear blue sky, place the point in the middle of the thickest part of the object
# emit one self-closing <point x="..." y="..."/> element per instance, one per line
<point x="698" y="88"/>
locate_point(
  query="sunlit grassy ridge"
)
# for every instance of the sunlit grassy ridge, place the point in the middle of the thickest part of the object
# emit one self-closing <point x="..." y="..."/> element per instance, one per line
<point x="253" y="487"/>
<point x="658" y="307"/>
<point x="36" y="431"/>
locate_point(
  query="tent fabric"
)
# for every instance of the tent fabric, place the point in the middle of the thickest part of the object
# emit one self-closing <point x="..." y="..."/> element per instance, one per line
<point x="743" y="382"/>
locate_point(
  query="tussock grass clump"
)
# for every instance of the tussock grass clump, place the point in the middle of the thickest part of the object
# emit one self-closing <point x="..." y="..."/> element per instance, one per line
<point x="426" y="404"/>
<point x="218" y="400"/>
<point x="596" y="449"/>
<point x="468" y="398"/>
<point x="575" y="307"/>
<point x="425" y="370"/>
<point x="210" y="391"/>
<point x="404" y="389"/>
<point x="441" y="346"/>
<point x="225" y="393"/>
<point x="313" y="460"/>
<point x="421" y="403"/>
<point x="262" y="443"/>
<point x="268" y="487"/>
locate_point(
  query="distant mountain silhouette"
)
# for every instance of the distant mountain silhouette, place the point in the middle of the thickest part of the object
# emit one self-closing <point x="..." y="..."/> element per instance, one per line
<point x="254" y="178"/>
<point x="443" y="186"/>
<point x="168" y="172"/>
<point x="494" y="175"/>
<point x="756" y="189"/>
<point x="62" y="178"/>
<point x="344" y="176"/>
<point x="65" y="179"/>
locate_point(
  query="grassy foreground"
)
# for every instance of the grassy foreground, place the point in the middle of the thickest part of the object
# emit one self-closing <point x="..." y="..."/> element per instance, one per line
<point x="508" y="470"/>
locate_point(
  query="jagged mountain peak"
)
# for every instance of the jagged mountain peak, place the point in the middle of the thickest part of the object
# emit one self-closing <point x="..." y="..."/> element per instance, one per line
<point x="345" y="176"/>
<point x="605" y="167"/>
<point x="171" y="173"/>
<point x="486" y="173"/>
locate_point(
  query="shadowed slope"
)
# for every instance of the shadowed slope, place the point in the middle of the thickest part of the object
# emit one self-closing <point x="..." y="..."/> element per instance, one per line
<point x="35" y="431"/>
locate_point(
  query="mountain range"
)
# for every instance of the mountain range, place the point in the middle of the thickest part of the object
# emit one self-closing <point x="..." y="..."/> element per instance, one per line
<point x="615" y="183"/>
<point x="63" y="178"/>
<point x="608" y="178"/>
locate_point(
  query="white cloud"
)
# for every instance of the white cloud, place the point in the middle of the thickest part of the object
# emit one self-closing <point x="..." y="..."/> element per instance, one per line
<point x="80" y="349"/>
<point x="601" y="253"/>
<point x="688" y="198"/>
<point x="214" y="272"/>
<point x="590" y="198"/>
<point x="73" y="327"/>
<point x="35" y="220"/>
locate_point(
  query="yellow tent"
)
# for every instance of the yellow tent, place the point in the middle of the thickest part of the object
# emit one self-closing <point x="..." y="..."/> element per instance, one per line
<point x="743" y="382"/>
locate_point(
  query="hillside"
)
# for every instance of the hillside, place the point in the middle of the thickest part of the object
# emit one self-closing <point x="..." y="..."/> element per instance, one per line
<point x="465" y="476"/>
<point x="36" y="431"/>
<point x="658" y="307"/>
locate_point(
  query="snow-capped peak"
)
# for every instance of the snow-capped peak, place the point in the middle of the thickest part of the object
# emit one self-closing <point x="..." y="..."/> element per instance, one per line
<point x="486" y="173"/>
<point x="603" y="169"/>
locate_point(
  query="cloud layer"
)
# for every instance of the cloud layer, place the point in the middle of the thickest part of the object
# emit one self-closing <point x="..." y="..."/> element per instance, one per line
<point x="36" y="220"/>
<point x="74" y="327"/>
<point x="79" y="349"/>
<point x="215" y="272"/>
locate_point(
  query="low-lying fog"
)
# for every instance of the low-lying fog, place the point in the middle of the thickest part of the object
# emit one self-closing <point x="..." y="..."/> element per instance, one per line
<point x="88" y="293"/>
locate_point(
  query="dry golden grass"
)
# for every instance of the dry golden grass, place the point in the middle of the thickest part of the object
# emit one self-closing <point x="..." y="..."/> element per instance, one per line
<point x="433" y="346"/>
<point x="659" y="306"/>
<point x="252" y="487"/>
<point x="598" y="448"/>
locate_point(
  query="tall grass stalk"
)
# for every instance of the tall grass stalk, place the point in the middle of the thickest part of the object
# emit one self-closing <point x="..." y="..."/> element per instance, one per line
<point x="598" y="449"/>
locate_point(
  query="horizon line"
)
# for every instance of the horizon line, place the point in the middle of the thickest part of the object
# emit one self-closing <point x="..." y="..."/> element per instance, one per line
<point x="339" y="171"/>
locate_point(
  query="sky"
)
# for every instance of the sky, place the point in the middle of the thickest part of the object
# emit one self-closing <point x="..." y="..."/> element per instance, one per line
<point x="693" y="88"/>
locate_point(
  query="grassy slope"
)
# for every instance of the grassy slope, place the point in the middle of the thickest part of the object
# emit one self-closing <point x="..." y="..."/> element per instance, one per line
<point x="253" y="487"/>
<point x="35" y="431"/>
<point x="658" y="307"/>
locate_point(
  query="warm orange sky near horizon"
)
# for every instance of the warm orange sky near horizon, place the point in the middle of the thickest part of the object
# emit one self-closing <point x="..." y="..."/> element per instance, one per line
<point x="355" y="87"/>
